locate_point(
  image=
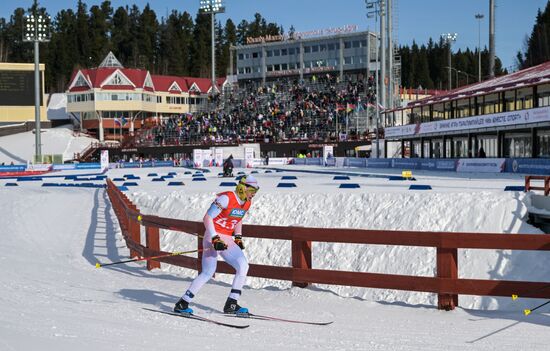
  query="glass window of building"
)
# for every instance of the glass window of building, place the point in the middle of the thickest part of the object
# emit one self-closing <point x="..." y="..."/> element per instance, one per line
<point x="364" y="43"/>
<point x="284" y="52"/>
<point x="447" y="110"/>
<point x="269" y="53"/>
<point x="510" y="100"/>
<point x="491" y="104"/>
<point x="517" y="145"/>
<point x="255" y="54"/>
<point x="348" y="60"/>
<point x="543" y="137"/>
<point x="356" y="43"/>
<point x="269" y="68"/>
<point x="291" y="51"/>
<point x="330" y="47"/>
<point x="462" y="108"/>
<point x="322" y="47"/>
<point x="276" y="67"/>
<point x="276" y="52"/>
<point x="438" y="112"/>
<point x="284" y="66"/>
<point x="543" y="92"/>
<point x="524" y="98"/>
<point x="337" y="46"/>
<point x="347" y="45"/>
<point x="315" y="48"/>
<point x="307" y="49"/>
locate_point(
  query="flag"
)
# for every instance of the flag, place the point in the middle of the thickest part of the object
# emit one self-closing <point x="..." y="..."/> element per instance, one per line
<point x="117" y="122"/>
<point x="124" y="120"/>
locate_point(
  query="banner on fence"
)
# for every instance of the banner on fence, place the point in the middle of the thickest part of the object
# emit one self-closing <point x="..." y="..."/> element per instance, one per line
<point x="248" y="157"/>
<point x="104" y="159"/>
<point x="219" y="157"/>
<point x="328" y="152"/>
<point x="197" y="158"/>
<point x="487" y="165"/>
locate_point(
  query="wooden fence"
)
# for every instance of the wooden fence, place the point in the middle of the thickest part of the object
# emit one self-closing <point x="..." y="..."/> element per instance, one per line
<point x="446" y="283"/>
<point x="545" y="179"/>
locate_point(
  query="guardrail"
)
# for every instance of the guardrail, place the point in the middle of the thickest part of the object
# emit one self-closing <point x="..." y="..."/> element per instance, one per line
<point x="545" y="179"/>
<point x="446" y="283"/>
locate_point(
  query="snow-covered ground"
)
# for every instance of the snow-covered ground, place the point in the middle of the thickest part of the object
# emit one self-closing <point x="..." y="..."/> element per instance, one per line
<point x="53" y="297"/>
<point x="20" y="148"/>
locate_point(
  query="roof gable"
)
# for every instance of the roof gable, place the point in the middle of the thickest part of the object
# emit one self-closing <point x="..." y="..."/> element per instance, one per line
<point x="117" y="78"/>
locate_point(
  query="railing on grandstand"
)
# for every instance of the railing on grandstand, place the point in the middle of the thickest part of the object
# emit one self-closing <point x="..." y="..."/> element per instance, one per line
<point x="446" y="282"/>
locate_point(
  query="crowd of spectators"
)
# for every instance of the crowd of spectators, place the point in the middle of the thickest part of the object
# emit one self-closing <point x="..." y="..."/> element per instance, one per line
<point x="318" y="109"/>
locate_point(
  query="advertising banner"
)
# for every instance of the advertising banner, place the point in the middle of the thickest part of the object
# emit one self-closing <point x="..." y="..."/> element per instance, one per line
<point x="197" y="158"/>
<point x="534" y="115"/>
<point x="104" y="159"/>
<point x="219" y="157"/>
<point x="328" y="152"/>
<point x="248" y="157"/>
<point x="528" y="166"/>
<point x="487" y="165"/>
<point x="207" y="158"/>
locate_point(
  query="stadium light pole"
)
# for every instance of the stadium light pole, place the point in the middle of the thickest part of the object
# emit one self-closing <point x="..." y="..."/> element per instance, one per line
<point x="479" y="17"/>
<point x="36" y="29"/>
<point x="449" y="38"/>
<point x="212" y="7"/>
<point x="377" y="10"/>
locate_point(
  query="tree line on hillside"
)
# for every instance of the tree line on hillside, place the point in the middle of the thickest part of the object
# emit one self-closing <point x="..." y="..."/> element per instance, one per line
<point x="537" y="45"/>
<point x="179" y="45"/>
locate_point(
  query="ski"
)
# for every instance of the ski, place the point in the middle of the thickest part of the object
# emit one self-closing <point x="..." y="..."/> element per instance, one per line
<point x="274" y="319"/>
<point x="198" y="318"/>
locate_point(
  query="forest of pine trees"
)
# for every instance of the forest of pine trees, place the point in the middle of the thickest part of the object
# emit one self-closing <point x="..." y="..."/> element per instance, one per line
<point x="179" y="44"/>
<point x="537" y="45"/>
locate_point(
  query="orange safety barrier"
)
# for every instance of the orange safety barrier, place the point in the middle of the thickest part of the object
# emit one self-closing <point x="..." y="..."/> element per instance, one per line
<point x="446" y="283"/>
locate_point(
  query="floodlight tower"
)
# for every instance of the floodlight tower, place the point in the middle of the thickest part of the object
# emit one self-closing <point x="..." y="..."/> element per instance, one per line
<point x="36" y="29"/>
<point x="212" y="7"/>
<point x="449" y="38"/>
<point x="479" y="17"/>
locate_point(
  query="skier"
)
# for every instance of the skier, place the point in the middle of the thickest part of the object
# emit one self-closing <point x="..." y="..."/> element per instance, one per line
<point x="222" y="220"/>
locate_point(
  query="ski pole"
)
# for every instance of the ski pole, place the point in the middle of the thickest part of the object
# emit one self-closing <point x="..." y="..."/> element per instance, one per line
<point x="528" y="311"/>
<point x="177" y="253"/>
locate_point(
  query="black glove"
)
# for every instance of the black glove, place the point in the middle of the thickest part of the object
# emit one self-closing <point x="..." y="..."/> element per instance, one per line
<point x="239" y="241"/>
<point x="218" y="243"/>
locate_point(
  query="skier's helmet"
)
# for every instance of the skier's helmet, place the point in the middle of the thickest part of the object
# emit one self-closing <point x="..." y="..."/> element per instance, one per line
<point x="246" y="183"/>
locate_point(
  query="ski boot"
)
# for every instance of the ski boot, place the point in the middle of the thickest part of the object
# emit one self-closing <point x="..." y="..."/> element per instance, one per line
<point x="232" y="307"/>
<point x="182" y="306"/>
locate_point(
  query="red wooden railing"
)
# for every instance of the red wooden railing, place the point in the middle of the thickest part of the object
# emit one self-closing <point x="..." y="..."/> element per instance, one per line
<point x="545" y="179"/>
<point x="446" y="283"/>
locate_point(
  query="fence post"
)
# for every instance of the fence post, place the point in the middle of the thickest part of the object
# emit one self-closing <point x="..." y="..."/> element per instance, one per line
<point x="546" y="186"/>
<point x="152" y="242"/>
<point x="447" y="267"/>
<point x="134" y="229"/>
<point x="301" y="258"/>
<point x="527" y="183"/>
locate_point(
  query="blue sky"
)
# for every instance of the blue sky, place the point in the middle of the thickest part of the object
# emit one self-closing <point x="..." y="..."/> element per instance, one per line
<point x="416" y="19"/>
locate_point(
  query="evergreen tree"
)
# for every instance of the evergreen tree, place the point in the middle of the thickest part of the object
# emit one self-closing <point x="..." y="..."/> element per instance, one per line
<point x="100" y="28"/>
<point x="82" y="34"/>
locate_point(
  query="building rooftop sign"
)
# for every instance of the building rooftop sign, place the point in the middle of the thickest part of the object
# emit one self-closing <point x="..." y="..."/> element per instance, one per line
<point x="299" y="35"/>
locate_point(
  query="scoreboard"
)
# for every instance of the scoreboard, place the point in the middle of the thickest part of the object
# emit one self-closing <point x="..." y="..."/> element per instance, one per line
<point x="17" y="88"/>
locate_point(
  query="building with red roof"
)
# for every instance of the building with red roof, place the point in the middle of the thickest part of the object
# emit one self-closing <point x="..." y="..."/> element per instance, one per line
<point x="112" y="100"/>
<point x="504" y="117"/>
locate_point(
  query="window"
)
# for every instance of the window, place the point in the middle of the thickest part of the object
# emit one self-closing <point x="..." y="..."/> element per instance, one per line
<point x="356" y="43"/>
<point x="517" y="145"/>
<point x="256" y="54"/>
<point x="510" y="100"/>
<point x="276" y="52"/>
<point x="284" y="52"/>
<point x="364" y="43"/>
<point x="315" y="48"/>
<point x="348" y="60"/>
<point x="284" y="66"/>
<point x="525" y="98"/>
<point x="291" y="51"/>
<point x="241" y="56"/>
<point x="307" y="49"/>
<point x="269" y="53"/>
<point x="330" y="47"/>
<point x="543" y="93"/>
<point x="347" y="45"/>
<point x="322" y="47"/>
<point x="544" y="143"/>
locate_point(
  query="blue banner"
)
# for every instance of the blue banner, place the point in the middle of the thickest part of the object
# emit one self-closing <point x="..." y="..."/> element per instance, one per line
<point x="87" y="166"/>
<point x="539" y="166"/>
<point x="19" y="168"/>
